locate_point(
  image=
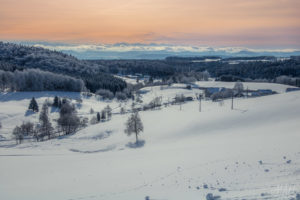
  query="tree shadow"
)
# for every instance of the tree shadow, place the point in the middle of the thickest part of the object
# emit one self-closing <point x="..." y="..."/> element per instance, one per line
<point x="241" y="110"/>
<point x="78" y="105"/>
<point x="28" y="113"/>
<point x="108" y="148"/>
<point x="64" y="136"/>
<point x="135" y="145"/>
<point x="54" y="109"/>
<point x="8" y="145"/>
<point x="18" y="96"/>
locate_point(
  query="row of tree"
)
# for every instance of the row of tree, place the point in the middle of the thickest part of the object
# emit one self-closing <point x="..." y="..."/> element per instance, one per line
<point x="37" y="80"/>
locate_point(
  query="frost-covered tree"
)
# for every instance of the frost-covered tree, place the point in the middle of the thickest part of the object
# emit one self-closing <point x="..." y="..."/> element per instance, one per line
<point x="122" y="110"/>
<point x="103" y="115"/>
<point x="33" y="105"/>
<point x="238" y="88"/>
<point x="134" y="125"/>
<point x="121" y="96"/>
<point x="180" y="99"/>
<point x="46" y="128"/>
<point x="139" y="98"/>
<point x="38" y="80"/>
<point x="27" y="128"/>
<point x="92" y="111"/>
<point x="108" y="111"/>
<point x="94" y="120"/>
<point x="156" y="102"/>
<point x="18" y="134"/>
<point x="105" y="94"/>
<point x="68" y="119"/>
<point x="150" y="80"/>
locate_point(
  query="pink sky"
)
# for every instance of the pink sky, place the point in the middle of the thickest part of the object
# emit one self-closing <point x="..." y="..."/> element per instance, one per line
<point x="267" y="23"/>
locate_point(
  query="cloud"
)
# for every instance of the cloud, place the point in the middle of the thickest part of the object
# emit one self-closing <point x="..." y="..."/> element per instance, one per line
<point x="126" y="47"/>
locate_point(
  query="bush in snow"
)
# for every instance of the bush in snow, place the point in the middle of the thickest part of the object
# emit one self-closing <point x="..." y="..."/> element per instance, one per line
<point x="84" y="122"/>
<point x="226" y="93"/>
<point x="94" y="120"/>
<point x="238" y="88"/>
<point x="139" y="98"/>
<point x="179" y="98"/>
<point x="121" y="96"/>
<point x="105" y="94"/>
<point x="108" y="111"/>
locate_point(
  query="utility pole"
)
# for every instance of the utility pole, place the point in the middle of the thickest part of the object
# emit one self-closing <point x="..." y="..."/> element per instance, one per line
<point x="200" y="96"/>
<point x="232" y="100"/>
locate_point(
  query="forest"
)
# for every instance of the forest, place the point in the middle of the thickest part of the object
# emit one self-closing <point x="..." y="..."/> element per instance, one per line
<point x="19" y="57"/>
<point x="263" y="68"/>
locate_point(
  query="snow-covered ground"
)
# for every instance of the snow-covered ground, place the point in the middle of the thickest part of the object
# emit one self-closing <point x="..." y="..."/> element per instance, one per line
<point x="129" y="80"/>
<point x="279" y="88"/>
<point x="251" y="152"/>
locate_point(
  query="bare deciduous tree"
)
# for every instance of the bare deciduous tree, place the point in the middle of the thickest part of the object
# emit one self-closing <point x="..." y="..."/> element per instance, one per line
<point x="238" y="88"/>
<point x="134" y="125"/>
<point x="46" y="128"/>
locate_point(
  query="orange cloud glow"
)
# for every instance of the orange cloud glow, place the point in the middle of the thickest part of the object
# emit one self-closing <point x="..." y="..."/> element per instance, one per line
<point x="207" y="22"/>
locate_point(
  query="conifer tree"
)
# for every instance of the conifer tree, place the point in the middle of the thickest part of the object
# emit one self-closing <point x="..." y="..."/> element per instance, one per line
<point x="56" y="101"/>
<point x="98" y="117"/>
<point x="33" y="105"/>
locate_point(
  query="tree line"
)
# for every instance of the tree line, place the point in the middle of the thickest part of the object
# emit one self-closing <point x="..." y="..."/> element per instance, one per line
<point x="250" y="69"/>
<point x="37" y="80"/>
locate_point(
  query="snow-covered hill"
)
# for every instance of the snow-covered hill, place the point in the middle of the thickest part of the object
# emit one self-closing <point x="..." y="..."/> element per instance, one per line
<point x="251" y="152"/>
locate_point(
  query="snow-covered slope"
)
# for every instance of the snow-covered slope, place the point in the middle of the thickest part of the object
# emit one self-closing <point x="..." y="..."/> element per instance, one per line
<point x="251" y="152"/>
<point x="279" y="88"/>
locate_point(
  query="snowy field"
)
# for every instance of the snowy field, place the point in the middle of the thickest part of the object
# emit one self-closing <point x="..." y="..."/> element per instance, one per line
<point x="251" y="152"/>
<point x="279" y="88"/>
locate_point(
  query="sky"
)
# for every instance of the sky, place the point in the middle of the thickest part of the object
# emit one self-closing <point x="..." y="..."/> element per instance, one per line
<point x="247" y="23"/>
